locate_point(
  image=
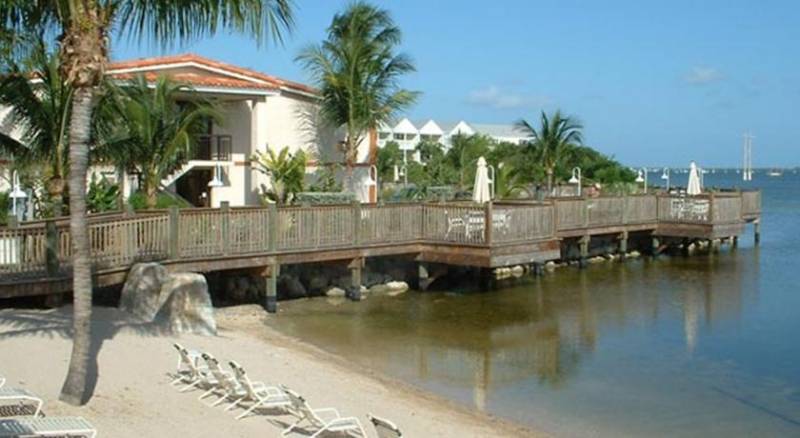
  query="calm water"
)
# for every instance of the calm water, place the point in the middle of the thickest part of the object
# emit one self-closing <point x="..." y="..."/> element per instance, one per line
<point x="699" y="346"/>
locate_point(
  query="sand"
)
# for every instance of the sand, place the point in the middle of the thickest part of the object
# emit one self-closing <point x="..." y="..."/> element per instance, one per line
<point x="132" y="396"/>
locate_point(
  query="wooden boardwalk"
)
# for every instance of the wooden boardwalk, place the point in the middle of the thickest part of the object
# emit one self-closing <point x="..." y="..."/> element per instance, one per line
<point x="35" y="257"/>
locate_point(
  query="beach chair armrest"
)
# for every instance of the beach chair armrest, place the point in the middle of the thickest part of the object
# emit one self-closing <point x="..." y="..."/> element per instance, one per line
<point x="331" y="412"/>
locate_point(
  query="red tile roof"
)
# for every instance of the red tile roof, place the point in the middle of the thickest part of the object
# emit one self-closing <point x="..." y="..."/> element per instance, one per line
<point x="200" y="80"/>
<point x="257" y="79"/>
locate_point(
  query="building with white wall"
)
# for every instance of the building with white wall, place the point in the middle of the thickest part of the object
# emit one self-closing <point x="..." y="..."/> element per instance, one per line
<point x="408" y="134"/>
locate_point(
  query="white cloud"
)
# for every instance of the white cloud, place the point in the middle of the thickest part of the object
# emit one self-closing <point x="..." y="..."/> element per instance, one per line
<point x="497" y="98"/>
<point x="702" y="75"/>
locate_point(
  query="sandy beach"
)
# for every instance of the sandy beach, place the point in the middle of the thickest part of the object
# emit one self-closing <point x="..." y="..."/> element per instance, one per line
<point x="133" y="398"/>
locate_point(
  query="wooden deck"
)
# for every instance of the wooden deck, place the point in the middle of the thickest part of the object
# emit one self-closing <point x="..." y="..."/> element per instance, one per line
<point x="35" y="257"/>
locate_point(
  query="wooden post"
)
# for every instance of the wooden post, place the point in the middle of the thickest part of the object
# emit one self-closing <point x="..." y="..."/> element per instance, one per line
<point x="655" y="244"/>
<point x="225" y="226"/>
<point x="356" y="223"/>
<point x="272" y="228"/>
<point x="354" y="291"/>
<point x="623" y="245"/>
<point x="584" y="244"/>
<point x="734" y="242"/>
<point x="51" y="250"/>
<point x="757" y="231"/>
<point x="487" y="221"/>
<point x="174" y="229"/>
<point x="537" y="269"/>
<point x="271" y="273"/>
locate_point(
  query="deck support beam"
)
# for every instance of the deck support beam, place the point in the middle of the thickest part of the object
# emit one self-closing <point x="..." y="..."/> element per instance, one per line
<point x="584" y="245"/>
<point x="271" y="280"/>
<point x="623" y="245"/>
<point x="354" y="291"/>
<point x="757" y="231"/>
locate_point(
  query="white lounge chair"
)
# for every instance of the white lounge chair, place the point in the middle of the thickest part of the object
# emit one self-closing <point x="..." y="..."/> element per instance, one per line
<point x="44" y="427"/>
<point x="315" y="418"/>
<point x="17" y="394"/>
<point x="384" y="428"/>
<point x="259" y="394"/>
<point x="188" y="360"/>
<point x="2" y="381"/>
<point x="227" y="386"/>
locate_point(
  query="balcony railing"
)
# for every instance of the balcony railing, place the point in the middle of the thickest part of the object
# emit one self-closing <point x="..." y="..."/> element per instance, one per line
<point x="213" y="148"/>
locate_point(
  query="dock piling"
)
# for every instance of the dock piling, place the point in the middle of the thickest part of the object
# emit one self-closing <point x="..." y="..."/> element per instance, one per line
<point x="354" y="291"/>
<point x="757" y="231"/>
<point x="271" y="303"/>
<point x="584" y="243"/>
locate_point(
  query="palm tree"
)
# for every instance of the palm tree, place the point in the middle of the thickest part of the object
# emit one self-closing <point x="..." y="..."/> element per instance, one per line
<point x="158" y="132"/>
<point x="83" y="29"/>
<point x="287" y="173"/>
<point x="357" y="70"/>
<point x="39" y="110"/>
<point x="552" y="142"/>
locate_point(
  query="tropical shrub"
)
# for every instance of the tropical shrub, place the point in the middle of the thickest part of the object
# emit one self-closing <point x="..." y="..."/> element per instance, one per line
<point x="139" y="201"/>
<point x="103" y="195"/>
<point x="286" y="170"/>
<point x="324" y="198"/>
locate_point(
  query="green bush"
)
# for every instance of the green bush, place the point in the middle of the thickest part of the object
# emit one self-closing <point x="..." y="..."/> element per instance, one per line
<point x="103" y="195"/>
<point x="138" y="201"/>
<point x="324" y="198"/>
<point x="5" y="208"/>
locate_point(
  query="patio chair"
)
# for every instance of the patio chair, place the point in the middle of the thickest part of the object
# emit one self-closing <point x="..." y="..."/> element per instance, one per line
<point x="46" y="427"/>
<point x="257" y="393"/>
<point x="226" y="385"/>
<point x="21" y="395"/>
<point x="384" y="428"/>
<point x="315" y="418"/>
<point x="188" y="362"/>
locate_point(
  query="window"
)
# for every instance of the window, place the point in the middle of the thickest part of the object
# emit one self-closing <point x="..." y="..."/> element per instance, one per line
<point x="399" y="137"/>
<point x="426" y="137"/>
<point x="383" y="135"/>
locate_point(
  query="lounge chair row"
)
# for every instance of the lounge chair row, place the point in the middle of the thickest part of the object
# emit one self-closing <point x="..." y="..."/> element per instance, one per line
<point x="35" y="425"/>
<point x="201" y="370"/>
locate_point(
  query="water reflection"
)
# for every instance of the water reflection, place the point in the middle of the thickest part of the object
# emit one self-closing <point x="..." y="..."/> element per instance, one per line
<point x="544" y="330"/>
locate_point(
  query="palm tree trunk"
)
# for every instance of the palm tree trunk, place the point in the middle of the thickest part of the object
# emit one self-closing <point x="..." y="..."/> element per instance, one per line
<point x="152" y="196"/>
<point x="549" y="181"/>
<point x="75" y="390"/>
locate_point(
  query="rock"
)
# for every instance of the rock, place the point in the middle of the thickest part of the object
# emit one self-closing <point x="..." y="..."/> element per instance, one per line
<point x="188" y="308"/>
<point x="335" y="292"/>
<point x="397" y="288"/>
<point x="291" y="288"/>
<point x="634" y="254"/>
<point x="550" y="266"/>
<point x="143" y="294"/>
<point x="598" y="259"/>
<point x="517" y="271"/>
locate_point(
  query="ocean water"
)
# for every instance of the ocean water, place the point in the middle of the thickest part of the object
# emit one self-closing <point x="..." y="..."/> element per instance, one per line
<point x="699" y="346"/>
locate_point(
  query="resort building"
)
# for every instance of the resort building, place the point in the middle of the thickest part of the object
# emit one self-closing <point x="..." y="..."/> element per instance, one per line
<point x="408" y="134"/>
<point x="259" y="111"/>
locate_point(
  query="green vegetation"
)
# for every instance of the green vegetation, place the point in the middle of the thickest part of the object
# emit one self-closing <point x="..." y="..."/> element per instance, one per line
<point x="548" y="159"/>
<point x="103" y="195"/>
<point x="139" y="201"/>
<point x="356" y="70"/>
<point x="287" y="172"/>
<point x="156" y="132"/>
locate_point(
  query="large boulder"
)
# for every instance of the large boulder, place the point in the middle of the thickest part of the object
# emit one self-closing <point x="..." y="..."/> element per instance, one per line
<point x="289" y="287"/>
<point x="188" y="308"/>
<point x="143" y="294"/>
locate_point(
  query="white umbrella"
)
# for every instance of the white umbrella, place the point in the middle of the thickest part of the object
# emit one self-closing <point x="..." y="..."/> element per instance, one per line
<point x="480" y="192"/>
<point x="694" y="187"/>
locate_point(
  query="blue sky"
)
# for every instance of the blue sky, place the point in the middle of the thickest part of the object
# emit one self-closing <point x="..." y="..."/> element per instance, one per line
<point x="654" y="83"/>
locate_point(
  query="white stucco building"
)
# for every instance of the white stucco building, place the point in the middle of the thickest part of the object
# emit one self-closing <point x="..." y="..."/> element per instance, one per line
<point x="260" y="111"/>
<point x="408" y="134"/>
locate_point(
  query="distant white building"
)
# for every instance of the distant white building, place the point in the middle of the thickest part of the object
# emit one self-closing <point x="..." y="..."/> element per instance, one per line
<point x="408" y="134"/>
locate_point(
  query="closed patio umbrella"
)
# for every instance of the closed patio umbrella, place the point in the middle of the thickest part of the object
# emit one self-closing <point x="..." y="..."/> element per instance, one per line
<point x="694" y="187"/>
<point x="480" y="192"/>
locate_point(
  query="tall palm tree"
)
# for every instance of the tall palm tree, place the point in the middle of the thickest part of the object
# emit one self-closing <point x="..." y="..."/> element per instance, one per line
<point x="83" y="29"/>
<point x="39" y="111"/>
<point x="155" y="132"/>
<point x="552" y="142"/>
<point x="357" y="70"/>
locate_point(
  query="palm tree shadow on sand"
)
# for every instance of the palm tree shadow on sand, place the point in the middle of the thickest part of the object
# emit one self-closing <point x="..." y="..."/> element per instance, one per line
<point x="19" y="323"/>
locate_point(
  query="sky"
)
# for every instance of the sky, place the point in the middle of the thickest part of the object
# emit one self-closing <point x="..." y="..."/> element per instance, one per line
<point x="653" y="83"/>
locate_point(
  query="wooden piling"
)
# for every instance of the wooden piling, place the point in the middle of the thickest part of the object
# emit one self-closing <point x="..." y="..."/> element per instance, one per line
<point x="584" y="244"/>
<point x="757" y="231"/>
<point x="655" y="245"/>
<point x="356" y="266"/>
<point x="271" y="273"/>
<point x="623" y="246"/>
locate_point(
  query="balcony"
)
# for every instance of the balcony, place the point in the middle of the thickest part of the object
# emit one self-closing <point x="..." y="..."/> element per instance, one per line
<point x="213" y="148"/>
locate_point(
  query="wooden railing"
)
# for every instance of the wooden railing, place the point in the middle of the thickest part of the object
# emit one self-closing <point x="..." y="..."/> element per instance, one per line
<point x="119" y="240"/>
<point x="751" y="203"/>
